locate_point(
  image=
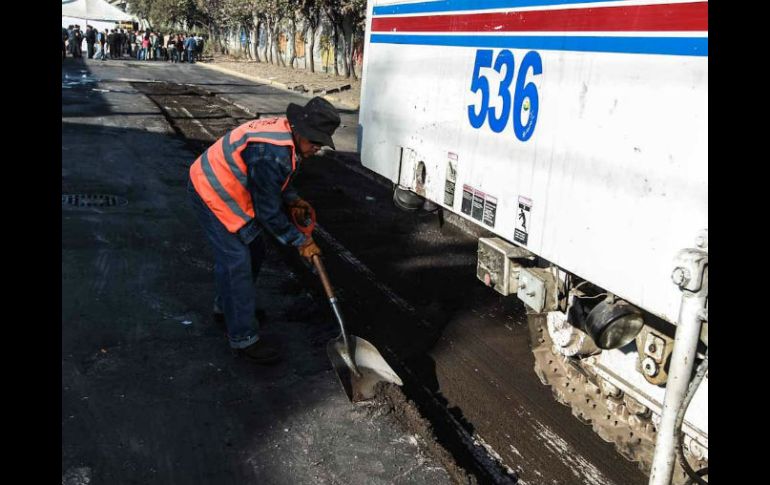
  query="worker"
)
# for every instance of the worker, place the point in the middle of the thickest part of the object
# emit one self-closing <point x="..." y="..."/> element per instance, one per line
<point x="241" y="187"/>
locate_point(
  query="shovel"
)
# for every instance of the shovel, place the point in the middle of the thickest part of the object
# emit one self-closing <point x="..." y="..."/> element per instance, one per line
<point x="358" y="364"/>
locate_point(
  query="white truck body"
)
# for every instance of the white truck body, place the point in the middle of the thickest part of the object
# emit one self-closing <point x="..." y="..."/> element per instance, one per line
<point x="615" y="170"/>
<point x="578" y="130"/>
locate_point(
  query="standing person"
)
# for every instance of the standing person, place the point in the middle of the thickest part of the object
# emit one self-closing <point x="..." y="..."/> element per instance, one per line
<point x="199" y="46"/>
<point x="159" y="46"/>
<point x="146" y="47"/>
<point x="151" y="46"/>
<point x="137" y="39"/>
<point x="99" y="45"/>
<point x="118" y="43"/>
<point x="190" y="48"/>
<point x="180" y="47"/>
<point x="171" y="49"/>
<point x="78" y="41"/>
<point x="130" y="38"/>
<point x="111" y="43"/>
<point x="64" y="37"/>
<point x="71" y="40"/>
<point x="90" y="40"/>
<point x="105" y="44"/>
<point x="256" y="162"/>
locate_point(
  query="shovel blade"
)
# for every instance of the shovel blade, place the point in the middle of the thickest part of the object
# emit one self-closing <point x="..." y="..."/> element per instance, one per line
<point x="372" y="367"/>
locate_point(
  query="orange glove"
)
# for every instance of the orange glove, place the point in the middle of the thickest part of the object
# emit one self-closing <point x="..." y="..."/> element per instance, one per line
<point x="309" y="249"/>
<point x="300" y="209"/>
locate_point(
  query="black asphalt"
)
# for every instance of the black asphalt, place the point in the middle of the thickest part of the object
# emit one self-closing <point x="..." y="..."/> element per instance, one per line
<point x="151" y="392"/>
<point x="134" y="275"/>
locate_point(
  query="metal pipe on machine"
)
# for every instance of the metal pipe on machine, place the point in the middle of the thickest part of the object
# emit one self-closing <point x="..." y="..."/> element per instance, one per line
<point x="691" y="275"/>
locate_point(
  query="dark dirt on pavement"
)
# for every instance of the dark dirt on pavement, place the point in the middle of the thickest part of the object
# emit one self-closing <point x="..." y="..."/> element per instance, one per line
<point x="458" y="345"/>
<point x="151" y="392"/>
<point x="407" y="283"/>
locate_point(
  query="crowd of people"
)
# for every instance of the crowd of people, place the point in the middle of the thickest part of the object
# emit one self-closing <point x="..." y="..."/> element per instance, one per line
<point x="143" y="45"/>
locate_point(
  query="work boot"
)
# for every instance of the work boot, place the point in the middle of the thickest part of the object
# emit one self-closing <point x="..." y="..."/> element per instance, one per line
<point x="261" y="352"/>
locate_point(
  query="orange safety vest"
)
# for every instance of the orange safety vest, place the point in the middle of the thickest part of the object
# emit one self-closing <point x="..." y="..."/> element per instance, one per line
<point x="219" y="175"/>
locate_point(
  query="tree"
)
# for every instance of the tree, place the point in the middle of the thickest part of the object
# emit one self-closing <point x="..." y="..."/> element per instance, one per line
<point x="225" y="18"/>
<point x="241" y="14"/>
<point x="270" y="13"/>
<point x="167" y="12"/>
<point x="216" y="19"/>
<point x="348" y="17"/>
<point x="354" y="22"/>
<point x="311" y="11"/>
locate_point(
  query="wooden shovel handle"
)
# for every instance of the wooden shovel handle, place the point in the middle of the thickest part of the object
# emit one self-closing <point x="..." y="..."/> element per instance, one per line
<point x="319" y="266"/>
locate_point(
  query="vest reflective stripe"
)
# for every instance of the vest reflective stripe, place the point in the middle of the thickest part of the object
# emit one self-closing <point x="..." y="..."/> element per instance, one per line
<point x="229" y="148"/>
<point x="219" y="174"/>
<point x="228" y="152"/>
<point x="278" y="136"/>
<point x="208" y="171"/>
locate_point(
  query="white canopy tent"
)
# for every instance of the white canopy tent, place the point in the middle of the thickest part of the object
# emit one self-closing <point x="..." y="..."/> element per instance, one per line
<point x="97" y="13"/>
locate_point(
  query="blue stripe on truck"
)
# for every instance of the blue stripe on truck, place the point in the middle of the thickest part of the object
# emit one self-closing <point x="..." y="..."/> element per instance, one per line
<point x="676" y="46"/>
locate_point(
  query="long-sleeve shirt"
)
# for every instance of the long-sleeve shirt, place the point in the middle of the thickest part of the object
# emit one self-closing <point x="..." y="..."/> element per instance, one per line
<point x="268" y="168"/>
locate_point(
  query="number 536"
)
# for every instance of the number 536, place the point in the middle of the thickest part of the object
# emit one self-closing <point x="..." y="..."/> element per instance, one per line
<point x="524" y="95"/>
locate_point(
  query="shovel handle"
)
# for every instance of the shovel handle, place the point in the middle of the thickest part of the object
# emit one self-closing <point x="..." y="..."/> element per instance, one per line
<point x="319" y="266"/>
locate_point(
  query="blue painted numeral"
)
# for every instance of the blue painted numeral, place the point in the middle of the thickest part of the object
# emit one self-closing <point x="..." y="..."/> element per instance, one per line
<point x="505" y="58"/>
<point x="483" y="59"/>
<point x="525" y="97"/>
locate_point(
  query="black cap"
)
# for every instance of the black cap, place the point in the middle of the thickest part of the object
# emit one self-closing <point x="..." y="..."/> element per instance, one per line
<point x="316" y="121"/>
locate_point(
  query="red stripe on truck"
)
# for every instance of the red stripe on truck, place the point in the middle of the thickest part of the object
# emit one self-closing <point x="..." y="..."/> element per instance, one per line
<point x="637" y="18"/>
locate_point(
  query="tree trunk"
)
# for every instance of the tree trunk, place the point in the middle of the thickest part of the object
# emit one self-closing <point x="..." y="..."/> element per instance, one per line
<point x="276" y="50"/>
<point x="257" y="40"/>
<point x="347" y="35"/>
<point x="221" y="41"/>
<point x="335" y="43"/>
<point x="292" y="42"/>
<point x="254" y="34"/>
<point x="311" y="52"/>
<point x="280" y="61"/>
<point x="353" y="57"/>
<point x="250" y="45"/>
<point x="304" y="31"/>
<point x="243" y="48"/>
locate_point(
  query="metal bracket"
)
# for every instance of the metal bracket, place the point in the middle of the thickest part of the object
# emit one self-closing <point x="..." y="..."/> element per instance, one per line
<point x="537" y="289"/>
<point x="499" y="264"/>
<point x="690" y="265"/>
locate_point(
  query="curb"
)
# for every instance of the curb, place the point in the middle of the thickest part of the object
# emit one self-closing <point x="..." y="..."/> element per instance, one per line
<point x="276" y="84"/>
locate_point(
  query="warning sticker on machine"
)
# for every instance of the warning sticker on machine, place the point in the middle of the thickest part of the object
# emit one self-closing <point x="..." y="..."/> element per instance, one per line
<point x="465" y="208"/>
<point x="451" y="179"/>
<point x="477" y="208"/>
<point x="521" y="232"/>
<point x="490" y="211"/>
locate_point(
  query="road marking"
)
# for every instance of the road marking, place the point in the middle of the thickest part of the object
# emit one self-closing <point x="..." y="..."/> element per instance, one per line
<point x="198" y="123"/>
